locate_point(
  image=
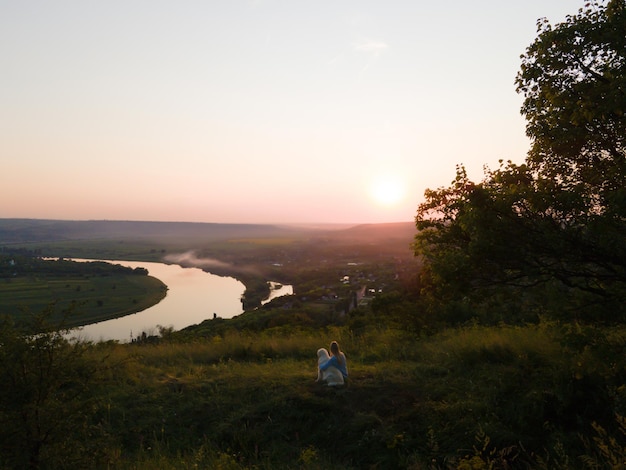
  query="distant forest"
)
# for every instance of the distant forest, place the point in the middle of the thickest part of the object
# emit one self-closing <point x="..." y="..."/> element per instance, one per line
<point x="12" y="265"/>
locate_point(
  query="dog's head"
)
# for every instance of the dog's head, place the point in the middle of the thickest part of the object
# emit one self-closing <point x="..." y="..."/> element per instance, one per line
<point x="322" y="354"/>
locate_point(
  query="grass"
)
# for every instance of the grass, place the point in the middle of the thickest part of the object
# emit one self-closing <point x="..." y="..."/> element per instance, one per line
<point x="472" y="397"/>
<point x="99" y="297"/>
<point x="261" y="411"/>
<point x="240" y="394"/>
<point x="250" y="400"/>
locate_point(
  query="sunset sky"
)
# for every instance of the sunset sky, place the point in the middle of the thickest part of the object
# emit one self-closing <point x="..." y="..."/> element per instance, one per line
<point x="259" y="111"/>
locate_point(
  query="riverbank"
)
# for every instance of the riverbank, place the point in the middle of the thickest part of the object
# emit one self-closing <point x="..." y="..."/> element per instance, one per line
<point x="193" y="296"/>
<point x="323" y="267"/>
<point x="75" y="293"/>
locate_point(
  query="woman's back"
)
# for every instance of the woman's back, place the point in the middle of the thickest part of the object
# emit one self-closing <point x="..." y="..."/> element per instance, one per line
<point x="340" y="358"/>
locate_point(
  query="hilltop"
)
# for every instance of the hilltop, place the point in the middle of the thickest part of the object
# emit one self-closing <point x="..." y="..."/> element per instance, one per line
<point x="49" y="230"/>
<point x="41" y="230"/>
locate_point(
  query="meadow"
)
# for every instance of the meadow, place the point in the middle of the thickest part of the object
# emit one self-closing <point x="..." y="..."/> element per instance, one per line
<point x="235" y="395"/>
<point x="82" y="293"/>
<point x="426" y="390"/>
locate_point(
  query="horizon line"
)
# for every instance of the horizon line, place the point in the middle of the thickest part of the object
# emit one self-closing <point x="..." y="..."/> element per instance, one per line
<point x="205" y="222"/>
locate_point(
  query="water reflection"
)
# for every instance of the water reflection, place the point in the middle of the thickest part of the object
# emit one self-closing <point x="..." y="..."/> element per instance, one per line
<point x="192" y="297"/>
<point x="277" y="290"/>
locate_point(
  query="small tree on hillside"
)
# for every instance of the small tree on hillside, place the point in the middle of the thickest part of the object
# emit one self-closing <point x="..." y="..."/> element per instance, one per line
<point x="47" y="399"/>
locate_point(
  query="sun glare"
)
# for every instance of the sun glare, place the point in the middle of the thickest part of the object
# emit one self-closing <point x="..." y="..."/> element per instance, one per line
<point x="387" y="191"/>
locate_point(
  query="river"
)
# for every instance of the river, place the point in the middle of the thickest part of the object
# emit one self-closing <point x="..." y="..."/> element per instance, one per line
<point x="193" y="296"/>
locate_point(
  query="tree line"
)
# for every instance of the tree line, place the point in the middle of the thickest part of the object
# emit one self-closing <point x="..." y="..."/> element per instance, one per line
<point x="23" y="265"/>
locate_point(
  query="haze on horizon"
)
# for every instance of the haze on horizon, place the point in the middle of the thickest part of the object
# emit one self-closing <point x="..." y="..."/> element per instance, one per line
<point x="255" y="111"/>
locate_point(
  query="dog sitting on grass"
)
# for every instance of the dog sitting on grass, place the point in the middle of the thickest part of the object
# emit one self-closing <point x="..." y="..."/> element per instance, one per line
<point x="332" y="376"/>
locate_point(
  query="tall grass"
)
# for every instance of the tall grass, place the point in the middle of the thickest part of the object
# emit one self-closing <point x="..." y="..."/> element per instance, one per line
<point x="479" y="345"/>
<point x="490" y="396"/>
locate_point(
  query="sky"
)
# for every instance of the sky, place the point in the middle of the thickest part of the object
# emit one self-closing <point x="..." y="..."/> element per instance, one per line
<point x="255" y="111"/>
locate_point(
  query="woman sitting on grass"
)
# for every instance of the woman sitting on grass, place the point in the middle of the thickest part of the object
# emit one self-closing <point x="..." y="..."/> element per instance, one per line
<point x="328" y="366"/>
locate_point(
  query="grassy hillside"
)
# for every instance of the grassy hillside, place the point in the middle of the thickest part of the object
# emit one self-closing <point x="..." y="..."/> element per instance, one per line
<point x="427" y="389"/>
<point x="240" y="394"/>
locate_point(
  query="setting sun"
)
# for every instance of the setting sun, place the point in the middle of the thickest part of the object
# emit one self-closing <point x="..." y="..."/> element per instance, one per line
<point x="387" y="190"/>
<point x="362" y="114"/>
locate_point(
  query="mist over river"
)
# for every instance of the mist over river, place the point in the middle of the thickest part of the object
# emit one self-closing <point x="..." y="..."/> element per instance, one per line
<point x="193" y="296"/>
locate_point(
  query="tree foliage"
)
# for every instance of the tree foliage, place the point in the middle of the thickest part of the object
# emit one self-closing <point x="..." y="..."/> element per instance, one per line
<point x="573" y="78"/>
<point x="47" y="399"/>
<point x="549" y="232"/>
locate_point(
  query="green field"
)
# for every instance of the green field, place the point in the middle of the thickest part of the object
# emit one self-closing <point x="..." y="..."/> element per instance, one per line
<point x="81" y="294"/>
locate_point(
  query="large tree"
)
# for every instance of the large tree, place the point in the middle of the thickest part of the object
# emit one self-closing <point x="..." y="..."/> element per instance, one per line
<point x="551" y="232"/>
<point x="573" y="78"/>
